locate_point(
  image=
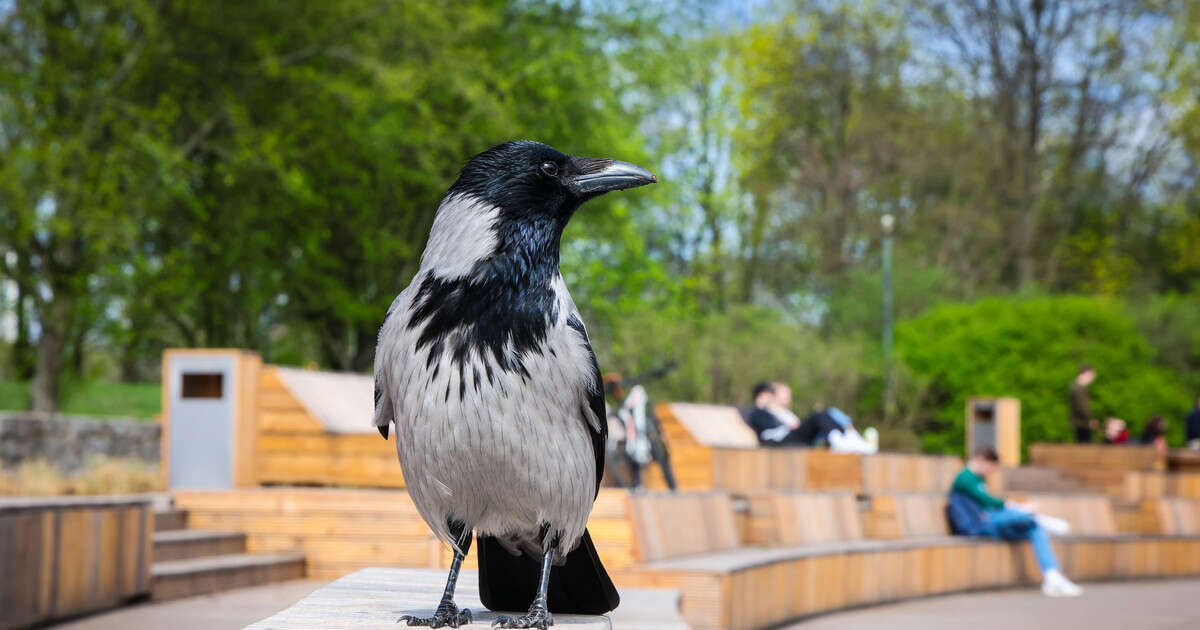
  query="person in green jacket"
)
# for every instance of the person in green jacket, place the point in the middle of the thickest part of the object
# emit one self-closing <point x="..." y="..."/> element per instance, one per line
<point x="973" y="511"/>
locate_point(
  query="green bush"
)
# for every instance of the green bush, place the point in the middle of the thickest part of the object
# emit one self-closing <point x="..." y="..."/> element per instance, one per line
<point x="1171" y="323"/>
<point x="1030" y="348"/>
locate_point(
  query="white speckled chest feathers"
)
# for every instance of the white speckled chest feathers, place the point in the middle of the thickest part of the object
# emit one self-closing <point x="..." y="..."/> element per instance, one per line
<point x="492" y="388"/>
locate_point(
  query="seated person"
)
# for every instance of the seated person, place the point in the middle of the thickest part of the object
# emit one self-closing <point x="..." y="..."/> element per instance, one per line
<point x="1115" y="431"/>
<point x="1155" y="434"/>
<point x="766" y="425"/>
<point x="973" y="511"/>
<point x="776" y="425"/>
<point x="845" y="438"/>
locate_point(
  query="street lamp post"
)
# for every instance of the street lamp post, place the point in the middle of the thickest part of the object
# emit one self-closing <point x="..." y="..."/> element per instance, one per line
<point x="888" y="223"/>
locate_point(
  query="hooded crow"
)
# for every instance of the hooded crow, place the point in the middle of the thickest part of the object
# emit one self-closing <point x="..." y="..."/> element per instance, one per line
<point x="485" y="368"/>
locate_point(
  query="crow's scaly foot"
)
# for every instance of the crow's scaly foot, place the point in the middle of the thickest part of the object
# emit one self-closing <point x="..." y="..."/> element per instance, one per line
<point x="535" y="618"/>
<point x="447" y="614"/>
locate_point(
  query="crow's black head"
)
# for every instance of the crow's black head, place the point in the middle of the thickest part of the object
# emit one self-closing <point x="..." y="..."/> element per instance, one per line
<point x="487" y="284"/>
<point x="531" y="180"/>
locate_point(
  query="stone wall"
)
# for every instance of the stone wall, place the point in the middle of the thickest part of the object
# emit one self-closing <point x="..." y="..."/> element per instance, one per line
<point x="69" y="442"/>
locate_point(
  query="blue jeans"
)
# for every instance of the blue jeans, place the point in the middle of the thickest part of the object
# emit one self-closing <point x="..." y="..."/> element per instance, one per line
<point x="1017" y="525"/>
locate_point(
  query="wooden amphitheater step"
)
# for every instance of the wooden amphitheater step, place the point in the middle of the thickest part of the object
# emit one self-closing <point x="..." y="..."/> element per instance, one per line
<point x="1040" y="479"/>
<point x="184" y="544"/>
<point x="169" y="519"/>
<point x="198" y="576"/>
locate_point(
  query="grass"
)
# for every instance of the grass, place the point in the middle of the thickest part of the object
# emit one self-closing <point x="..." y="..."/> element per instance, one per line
<point x="93" y="398"/>
<point x="104" y="475"/>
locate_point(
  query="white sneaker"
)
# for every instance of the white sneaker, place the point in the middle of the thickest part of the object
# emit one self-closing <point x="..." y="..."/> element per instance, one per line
<point x="1055" y="526"/>
<point x="1055" y="584"/>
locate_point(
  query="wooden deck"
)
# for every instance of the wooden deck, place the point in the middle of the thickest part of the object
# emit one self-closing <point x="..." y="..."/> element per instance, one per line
<point x="712" y="448"/>
<point x="375" y="598"/>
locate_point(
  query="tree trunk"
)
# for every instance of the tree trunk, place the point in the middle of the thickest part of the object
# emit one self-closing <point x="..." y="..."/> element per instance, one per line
<point x="50" y="349"/>
<point x="77" y="349"/>
<point x="22" y="354"/>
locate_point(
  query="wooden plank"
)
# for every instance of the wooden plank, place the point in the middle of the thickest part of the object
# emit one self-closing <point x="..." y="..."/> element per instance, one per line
<point x="76" y="549"/>
<point x="373" y="597"/>
<point x="245" y="419"/>
<point x="803" y="518"/>
<point x="342" y="530"/>
<point x="104" y="583"/>
<point x="1097" y="457"/>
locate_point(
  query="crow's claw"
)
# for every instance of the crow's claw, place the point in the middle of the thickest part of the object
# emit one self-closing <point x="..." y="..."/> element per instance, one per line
<point x="536" y="618"/>
<point x="447" y="615"/>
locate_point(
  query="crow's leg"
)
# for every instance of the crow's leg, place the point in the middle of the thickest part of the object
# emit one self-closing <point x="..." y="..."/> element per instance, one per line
<point x="538" y="615"/>
<point x="447" y="613"/>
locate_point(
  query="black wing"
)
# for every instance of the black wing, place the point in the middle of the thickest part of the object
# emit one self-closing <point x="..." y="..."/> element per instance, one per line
<point x="595" y="401"/>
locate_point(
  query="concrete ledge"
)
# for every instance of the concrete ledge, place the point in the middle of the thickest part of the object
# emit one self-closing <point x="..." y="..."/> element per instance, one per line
<point x="375" y="598"/>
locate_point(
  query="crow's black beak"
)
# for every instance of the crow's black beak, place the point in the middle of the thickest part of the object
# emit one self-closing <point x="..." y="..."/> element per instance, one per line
<point x="598" y="176"/>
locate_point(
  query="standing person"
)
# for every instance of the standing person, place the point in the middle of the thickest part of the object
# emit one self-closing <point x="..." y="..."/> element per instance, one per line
<point x="1082" y="419"/>
<point x="973" y="511"/>
<point x="1192" y="427"/>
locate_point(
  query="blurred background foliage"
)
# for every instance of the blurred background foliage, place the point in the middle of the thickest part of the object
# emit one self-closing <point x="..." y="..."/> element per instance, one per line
<point x="264" y="174"/>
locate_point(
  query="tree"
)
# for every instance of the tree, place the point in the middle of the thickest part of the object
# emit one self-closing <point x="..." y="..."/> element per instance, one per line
<point x="74" y="153"/>
<point x="1058" y="83"/>
<point x="820" y="149"/>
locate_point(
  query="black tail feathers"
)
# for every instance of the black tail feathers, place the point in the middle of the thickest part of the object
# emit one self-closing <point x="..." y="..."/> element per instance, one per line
<point x="580" y="586"/>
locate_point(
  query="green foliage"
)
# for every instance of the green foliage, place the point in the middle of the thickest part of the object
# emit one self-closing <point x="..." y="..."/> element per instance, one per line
<point x="142" y="401"/>
<point x="721" y="356"/>
<point x="264" y="174"/>
<point x="1171" y="323"/>
<point x="1030" y="348"/>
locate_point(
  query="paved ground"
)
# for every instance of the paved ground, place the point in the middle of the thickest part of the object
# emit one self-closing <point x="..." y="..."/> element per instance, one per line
<point x="221" y="611"/>
<point x="1149" y="605"/>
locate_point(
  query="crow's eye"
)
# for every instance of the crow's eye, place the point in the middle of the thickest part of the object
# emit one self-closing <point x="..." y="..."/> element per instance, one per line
<point x="549" y="169"/>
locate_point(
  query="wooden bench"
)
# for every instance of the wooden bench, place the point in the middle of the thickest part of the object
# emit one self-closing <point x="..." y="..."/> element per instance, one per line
<point x="1146" y="485"/>
<point x="1100" y="467"/>
<point x="1088" y="514"/>
<point x="808" y="518"/>
<point x="917" y="515"/>
<point x="61" y="557"/>
<point x="1170" y="516"/>
<point x="900" y="472"/>
<point x="726" y="586"/>
<point x="790" y="517"/>
<point x="1096" y="456"/>
<point x="692" y="431"/>
<point x="671" y="525"/>
<point x="907" y="515"/>
<point x="755" y="469"/>
<point x="1183" y="460"/>
<point x="712" y="448"/>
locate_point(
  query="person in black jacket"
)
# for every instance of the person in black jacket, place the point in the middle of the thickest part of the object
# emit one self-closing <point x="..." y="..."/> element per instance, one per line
<point x="1192" y="427"/>
<point x="766" y="425"/>
<point x="777" y="427"/>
